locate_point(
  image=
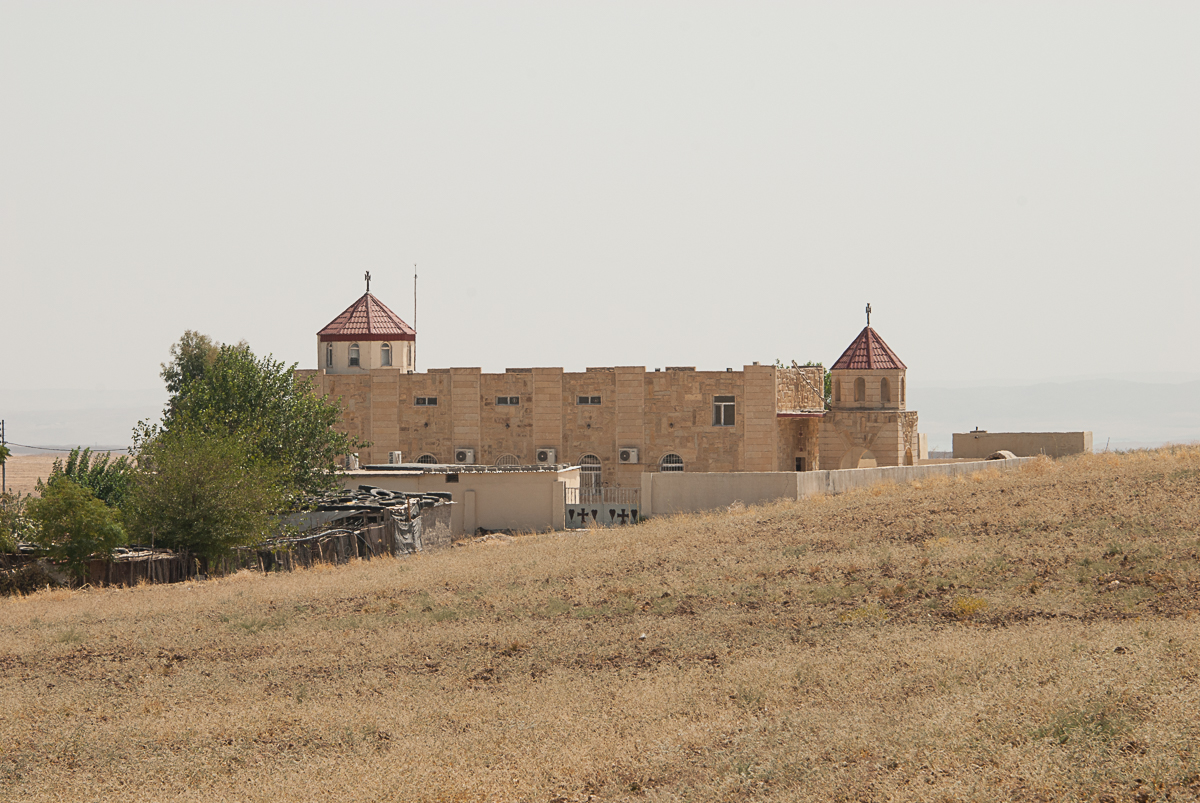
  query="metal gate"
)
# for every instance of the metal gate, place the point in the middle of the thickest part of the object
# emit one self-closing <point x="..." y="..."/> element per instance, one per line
<point x="603" y="507"/>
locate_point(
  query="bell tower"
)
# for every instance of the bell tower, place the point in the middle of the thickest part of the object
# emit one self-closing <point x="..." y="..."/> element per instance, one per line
<point x="365" y="337"/>
<point x="868" y="423"/>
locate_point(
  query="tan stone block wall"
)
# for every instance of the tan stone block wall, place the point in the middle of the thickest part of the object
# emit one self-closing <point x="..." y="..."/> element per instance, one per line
<point x="760" y="448"/>
<point x="800" y="388"/>
<point x="506" y="429"/>
<point x="798" y="437"/>
<point x="631" y="422"/>
<point x="590" y="429"/>
<point x="873" y="389"/>
<point x="466" y="409"/>
<point x="657" y="413"/>
<point x="548" y="409"/>
<point x="1022" y="444"/>
<point x="425" y="430"/>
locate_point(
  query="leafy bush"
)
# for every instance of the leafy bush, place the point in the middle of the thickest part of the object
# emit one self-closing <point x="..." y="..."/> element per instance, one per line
<point x="106" y="478"/>
<point x="73" y="525"/>
<point x="15" y="526"/>
<point x="204" y="494"/>
<point x="25" y="580"/>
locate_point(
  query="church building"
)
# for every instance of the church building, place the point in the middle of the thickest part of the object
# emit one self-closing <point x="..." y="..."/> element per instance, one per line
<point x="614" y="422"/>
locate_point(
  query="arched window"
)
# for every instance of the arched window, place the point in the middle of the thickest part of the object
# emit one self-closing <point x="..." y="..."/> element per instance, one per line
<point x="670" y="462"/>
<point x="385" y="354"/>
<point x="589" y="474"/>
<point x="902" y="400"/>
<point x="328" y="355"/>
<point x="860" y="389"/>
<point x="885" y="391"/>
<point x="354" y="354"/>
<point x="837" y="390"/>
<point x="508" y="460"/>
<point x="428" y="459"/>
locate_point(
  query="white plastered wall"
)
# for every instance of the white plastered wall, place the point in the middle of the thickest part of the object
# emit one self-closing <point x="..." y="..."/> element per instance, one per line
<point x="370" y="356"/>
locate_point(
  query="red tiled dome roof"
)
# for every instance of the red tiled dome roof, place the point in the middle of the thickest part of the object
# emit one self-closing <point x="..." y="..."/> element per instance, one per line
<point x="367" y="319"/>
<point x="869" y="352"/>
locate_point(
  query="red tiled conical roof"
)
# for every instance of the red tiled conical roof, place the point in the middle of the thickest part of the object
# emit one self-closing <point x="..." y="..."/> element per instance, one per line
<point x="869" y="352"/>
<point x="367" y="319"/>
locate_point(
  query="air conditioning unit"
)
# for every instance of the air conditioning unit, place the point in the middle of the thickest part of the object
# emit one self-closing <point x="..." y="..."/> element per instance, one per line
<point x="627" y="456"/>
<point x="395" y="458"/>
<point x="464" y="457"/>
<point x="547" y="457"/>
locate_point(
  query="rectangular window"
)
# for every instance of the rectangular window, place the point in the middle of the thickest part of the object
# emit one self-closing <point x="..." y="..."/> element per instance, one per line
<point x="511" y="401"/>
<point x="587" y="400"/>
<point x="722" y="411"/>
<point x="427" y="401"/>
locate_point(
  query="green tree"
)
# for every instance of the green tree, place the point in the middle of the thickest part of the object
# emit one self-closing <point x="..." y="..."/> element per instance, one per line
<point x="191" y="358"/>
<point x="230" y="393"/>
<point x="4" y="453"/>
<point x="202" y="493"/>
<point x="107" y="478"/>
<point x="73" y="525"/>
<point x="15" y="526"/>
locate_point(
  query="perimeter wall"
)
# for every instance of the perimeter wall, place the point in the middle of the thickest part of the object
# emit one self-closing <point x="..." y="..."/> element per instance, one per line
<point x="665" y="493"/>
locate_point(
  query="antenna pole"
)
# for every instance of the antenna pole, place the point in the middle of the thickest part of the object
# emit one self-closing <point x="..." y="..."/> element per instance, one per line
<point x="414" y="366"/>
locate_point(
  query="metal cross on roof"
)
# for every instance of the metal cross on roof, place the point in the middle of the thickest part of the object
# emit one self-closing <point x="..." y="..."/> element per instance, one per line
<point x="868" y="306"/>
<point x="367" y="276"/>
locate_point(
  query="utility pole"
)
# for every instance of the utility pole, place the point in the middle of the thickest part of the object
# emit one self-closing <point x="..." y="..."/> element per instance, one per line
<point x="4" y="465"/>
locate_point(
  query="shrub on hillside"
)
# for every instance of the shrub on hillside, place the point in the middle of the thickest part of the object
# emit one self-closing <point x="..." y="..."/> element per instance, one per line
<point x="15" y="526"/>
<point x="204" y="494"/>
<point x="107" y="478"/>
<point x="73" y="525"/>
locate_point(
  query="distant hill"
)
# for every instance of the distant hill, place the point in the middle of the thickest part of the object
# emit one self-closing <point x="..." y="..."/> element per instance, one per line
<point x="1131" y="414"/>
<point x="71" y="417"/>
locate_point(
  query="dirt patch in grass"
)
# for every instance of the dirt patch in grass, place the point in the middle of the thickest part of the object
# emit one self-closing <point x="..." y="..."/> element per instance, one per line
<point x="1025" y="636"/>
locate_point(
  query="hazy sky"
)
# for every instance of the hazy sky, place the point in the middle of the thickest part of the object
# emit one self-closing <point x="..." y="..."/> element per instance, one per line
<point x="1015" y="187"/>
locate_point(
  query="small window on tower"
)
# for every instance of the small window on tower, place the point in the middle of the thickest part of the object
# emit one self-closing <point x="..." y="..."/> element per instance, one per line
<point x="328" y="355"/>
<point x="885" y="391"/>
<point x="354" y="354"/>
<point x="860" y="389"/>
<point x="587" y="400"/>
<point x="511" y="401"/>
<point x="385" y="354"/>
<point x="426" y="401"/>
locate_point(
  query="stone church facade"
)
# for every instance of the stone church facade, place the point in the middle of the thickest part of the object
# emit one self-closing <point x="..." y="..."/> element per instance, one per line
<point x="615" y="422"/>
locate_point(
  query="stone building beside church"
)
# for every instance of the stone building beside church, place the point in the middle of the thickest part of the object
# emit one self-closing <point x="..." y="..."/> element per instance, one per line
<point x="615" y="422"/>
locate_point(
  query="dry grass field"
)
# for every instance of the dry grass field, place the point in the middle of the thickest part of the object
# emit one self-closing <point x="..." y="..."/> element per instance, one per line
<point x="22" y="471"/>
<point x="1029" y="636"/>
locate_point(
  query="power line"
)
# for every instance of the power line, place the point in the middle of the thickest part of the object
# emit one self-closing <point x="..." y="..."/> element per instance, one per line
<point x="58" y="449"/>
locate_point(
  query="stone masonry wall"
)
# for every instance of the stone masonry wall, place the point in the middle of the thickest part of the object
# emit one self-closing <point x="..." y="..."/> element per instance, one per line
<point x="657" y="413"/>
